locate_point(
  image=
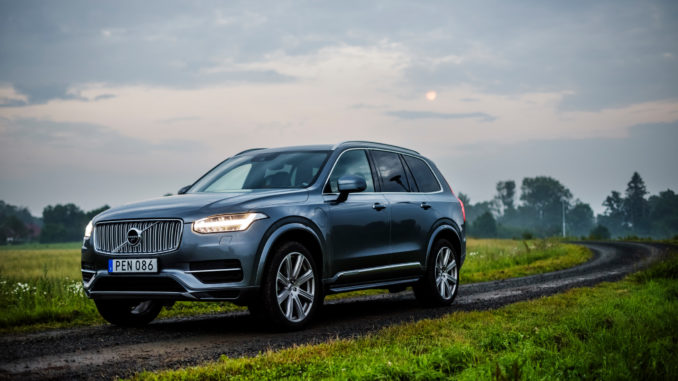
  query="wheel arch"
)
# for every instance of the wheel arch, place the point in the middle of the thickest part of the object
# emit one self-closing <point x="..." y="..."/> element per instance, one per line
<point x="447" y="229"/>
<point x="297" y="229"/>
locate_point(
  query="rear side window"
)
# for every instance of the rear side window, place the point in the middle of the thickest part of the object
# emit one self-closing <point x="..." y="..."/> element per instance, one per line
<point x="352" y="162"/>
<point x="423" y="176"/>
<point x="425" y="179"/>
<point x="391" y="171"/>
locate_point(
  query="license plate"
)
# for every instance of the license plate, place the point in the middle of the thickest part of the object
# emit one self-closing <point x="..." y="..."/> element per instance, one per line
<point x="133" y="265"/>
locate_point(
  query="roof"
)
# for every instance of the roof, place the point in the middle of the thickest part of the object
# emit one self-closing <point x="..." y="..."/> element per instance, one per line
<point x="367" y="144"/>
<point x="328" y="147"/>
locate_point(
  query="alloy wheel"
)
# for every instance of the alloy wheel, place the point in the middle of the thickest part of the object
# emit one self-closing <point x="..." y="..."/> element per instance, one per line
<point x="446" y="273"/>
<point x="295" y="287"/>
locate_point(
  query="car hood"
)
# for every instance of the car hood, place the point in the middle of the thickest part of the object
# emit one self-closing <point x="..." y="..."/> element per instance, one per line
<point x="190" y="207"/>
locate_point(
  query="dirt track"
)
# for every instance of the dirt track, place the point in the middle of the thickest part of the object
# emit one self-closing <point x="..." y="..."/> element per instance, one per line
<point x="104" y="352"/>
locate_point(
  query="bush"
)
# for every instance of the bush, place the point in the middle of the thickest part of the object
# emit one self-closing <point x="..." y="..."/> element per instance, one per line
<point x="600" y="232"/>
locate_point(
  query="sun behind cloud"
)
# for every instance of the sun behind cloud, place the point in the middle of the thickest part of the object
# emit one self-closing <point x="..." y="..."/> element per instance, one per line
<point x="431" y="95"/>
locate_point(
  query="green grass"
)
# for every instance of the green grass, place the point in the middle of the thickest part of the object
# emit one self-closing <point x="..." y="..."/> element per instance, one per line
<point x="40" y="284"/>
<point x="493" y="259"/>
<point x="625" y="330"/>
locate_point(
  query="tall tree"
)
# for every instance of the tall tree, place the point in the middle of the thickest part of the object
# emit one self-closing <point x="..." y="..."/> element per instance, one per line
<point x="664" y="214"/>
<point x="480" y="208"/>
<point x="543" y="199"/>
<point x="580" y="219"/>
<point x="63" y="223"/>
<point x="506" y="193"/>
<point x="614" y="216"/>
<point x="635" y="204"/>
<point x="484" y="226"/>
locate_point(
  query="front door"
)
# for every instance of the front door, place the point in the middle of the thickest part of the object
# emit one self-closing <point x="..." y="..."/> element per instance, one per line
<point x="359" y="233"/>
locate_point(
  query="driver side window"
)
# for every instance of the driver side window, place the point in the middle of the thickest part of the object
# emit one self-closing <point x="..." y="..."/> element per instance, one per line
<point x="352" y="162"/>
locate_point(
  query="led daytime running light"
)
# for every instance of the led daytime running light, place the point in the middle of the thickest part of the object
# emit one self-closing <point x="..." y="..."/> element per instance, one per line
<point x="88" y="230"/>
<point x="226" y="223"/>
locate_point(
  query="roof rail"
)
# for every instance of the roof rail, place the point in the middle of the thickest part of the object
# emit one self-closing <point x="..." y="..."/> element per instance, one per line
<point x="248" y="150"/>
<point x="376" y="144"/>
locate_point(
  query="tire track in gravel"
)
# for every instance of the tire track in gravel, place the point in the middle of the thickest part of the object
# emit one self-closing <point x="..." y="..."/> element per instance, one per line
<point x="105" y="352"/>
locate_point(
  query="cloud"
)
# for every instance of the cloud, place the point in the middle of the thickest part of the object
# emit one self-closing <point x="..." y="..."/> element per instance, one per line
<point x="606" y="54"/>
<point x="41" y="134"/>
<point x="405" y="114"/>
<point x="104" y="96"/>
<point x="180" y="119"/>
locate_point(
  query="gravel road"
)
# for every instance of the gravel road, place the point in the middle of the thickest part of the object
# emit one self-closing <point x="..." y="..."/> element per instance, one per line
<point x="106" y="352"/>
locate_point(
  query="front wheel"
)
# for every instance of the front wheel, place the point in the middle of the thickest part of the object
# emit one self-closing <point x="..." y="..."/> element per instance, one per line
<point x="130" y="313"/>
<point x="440" y="283"/>
<point x="291" y="289"/>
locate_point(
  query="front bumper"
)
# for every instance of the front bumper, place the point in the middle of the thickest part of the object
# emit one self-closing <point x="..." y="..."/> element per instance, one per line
<point x="189" y="273"/>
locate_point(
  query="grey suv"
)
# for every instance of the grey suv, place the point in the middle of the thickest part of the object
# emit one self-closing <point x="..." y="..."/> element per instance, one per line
<point x="277" y="230"/>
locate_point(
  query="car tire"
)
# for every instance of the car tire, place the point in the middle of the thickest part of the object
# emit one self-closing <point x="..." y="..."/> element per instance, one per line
<point x="291" y="289"/>
<point x="128" y="313"/>
<point x="440" y="283"/>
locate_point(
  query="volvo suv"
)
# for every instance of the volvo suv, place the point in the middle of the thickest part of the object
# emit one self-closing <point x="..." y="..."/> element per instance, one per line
<point x="278" y="229"/>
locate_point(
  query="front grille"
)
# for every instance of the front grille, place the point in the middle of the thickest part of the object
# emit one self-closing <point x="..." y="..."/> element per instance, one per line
<point x="141" y="284"/>
<point x="155" y="236"/>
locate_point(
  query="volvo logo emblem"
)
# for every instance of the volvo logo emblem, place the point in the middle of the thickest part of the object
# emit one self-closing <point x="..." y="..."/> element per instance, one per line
<point x="134" y="236"/>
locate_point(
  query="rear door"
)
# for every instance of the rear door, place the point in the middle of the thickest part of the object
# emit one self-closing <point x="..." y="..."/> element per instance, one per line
<point x="411" y="212"/>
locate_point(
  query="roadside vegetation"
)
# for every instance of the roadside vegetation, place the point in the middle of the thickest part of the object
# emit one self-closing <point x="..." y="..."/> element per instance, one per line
<point x="41" y="288"/>
<point x="620" y="330"/>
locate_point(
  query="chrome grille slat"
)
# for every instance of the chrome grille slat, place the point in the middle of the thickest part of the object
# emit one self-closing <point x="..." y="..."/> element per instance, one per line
<point x="157" y="237"/>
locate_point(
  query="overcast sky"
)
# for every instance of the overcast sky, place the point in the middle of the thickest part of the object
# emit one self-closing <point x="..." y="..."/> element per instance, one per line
<point x="112" y="102"/>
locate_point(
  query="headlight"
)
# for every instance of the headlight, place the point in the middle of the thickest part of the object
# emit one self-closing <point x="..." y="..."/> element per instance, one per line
<point x="88" y="230"/>
<point x="226" y="222"/>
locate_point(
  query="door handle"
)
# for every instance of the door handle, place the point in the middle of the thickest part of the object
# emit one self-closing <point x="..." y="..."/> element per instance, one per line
<point x="425" y="206"/>
<point x="377" y="206"/>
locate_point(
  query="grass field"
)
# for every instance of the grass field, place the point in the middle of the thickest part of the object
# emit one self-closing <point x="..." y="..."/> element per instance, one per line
<point x="626" y="330"/>
<point x="40" y="284"/>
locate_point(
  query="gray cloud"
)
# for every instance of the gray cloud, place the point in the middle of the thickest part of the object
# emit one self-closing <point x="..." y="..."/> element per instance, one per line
<point x="104" y="96"/>
<point x="38" y="134"/>
<point x="405" y="114"/>
<point x="610" y="53"/>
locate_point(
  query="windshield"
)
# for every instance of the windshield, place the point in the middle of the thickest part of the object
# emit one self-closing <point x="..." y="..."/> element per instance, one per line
<point x="276" y="170"/>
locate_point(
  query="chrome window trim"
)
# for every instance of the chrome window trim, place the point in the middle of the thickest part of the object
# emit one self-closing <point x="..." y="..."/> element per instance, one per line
<point x="335" y="164"/>
<point x="440" y="185"/>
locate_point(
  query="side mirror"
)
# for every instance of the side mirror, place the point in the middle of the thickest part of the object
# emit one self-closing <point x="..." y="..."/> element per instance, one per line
<point x="184" y="189"/>
<point x="350" y="184"/>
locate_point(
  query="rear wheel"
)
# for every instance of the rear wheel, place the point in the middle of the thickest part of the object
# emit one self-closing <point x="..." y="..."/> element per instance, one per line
<point x="291" y="290"/>
<point x="128" y="312"/>
<point x="440" y="283"/>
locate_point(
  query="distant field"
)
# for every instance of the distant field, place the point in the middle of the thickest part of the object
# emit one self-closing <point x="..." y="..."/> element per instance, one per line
<point x="40" y="284"/>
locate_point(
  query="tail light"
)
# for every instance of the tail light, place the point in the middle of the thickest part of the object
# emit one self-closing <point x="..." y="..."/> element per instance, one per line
<point x="463" y="210"/>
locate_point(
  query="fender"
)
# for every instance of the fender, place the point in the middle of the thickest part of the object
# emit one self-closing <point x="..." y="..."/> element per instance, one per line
<point x="278" y="229"/>
<point x="442" y="225"/>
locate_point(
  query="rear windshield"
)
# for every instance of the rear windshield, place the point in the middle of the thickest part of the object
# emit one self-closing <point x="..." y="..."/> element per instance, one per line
<point x="277" y="170"/>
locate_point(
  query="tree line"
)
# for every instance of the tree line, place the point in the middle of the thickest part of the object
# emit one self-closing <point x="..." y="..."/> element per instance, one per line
<point x="59" y="223"/>
<point x="544" y="201"/>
